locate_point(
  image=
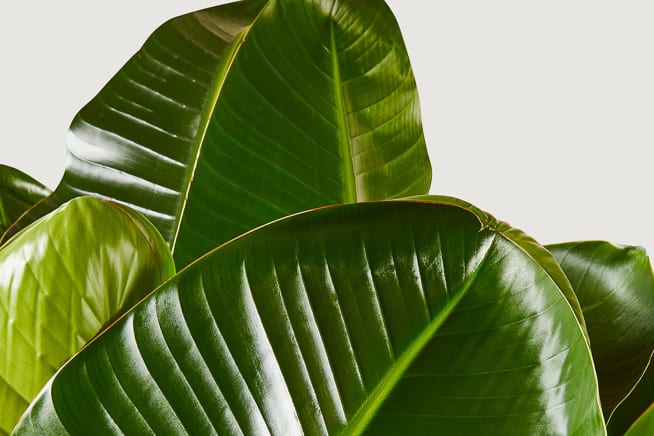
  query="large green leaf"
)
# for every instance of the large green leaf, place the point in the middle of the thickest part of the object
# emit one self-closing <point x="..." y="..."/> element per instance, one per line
<point x="237" y="115"/>
<point x="414" y="317"/>
<point x="61" y="280"/>
<point x="615" y="287"/>
<point x="18" y="192"/>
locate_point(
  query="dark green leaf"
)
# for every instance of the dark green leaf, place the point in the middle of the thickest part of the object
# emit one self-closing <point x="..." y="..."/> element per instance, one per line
<point x="61" y="280"/>
<point x="18" y="192"/>
<point x="634" y="405"/>
<point x="615" y="287"/>
<point x="234" y="116"/>
<point x="412" y="317"/>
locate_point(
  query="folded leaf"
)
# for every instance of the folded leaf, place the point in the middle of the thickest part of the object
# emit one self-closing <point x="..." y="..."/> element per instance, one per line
<point x="615" y="287"/>
<point x="414" y="317"/>
<point x="61" y="280"/>
<point x="18" y="192"/>
<point x="237" y="115"/>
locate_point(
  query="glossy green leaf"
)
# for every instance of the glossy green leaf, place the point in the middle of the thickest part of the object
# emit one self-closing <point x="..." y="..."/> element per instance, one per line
<point x="237" y="115"/>
<point x="532" y="247"/>
<point x="18" y="192"/>
<point x="615" y="286"/>
<point x="635" y="405"/>
<point x="398" y="317"/>
<point x="61" y="280"/>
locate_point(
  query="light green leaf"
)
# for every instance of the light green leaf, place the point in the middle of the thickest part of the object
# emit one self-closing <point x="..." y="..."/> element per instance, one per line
<point x="237" y="115"/>
<point x="64" y="278"/>
<point x="18" y="192"/>
<point x="644" y="426"/>
<point x="615" y="287"/>
<point x="398" y="317"/>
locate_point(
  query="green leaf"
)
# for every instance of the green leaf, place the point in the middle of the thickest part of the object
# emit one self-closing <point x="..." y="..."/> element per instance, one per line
<point x="398" y="317"/>
<point x="237" y="115"/>
<point x="635" y="405"/>
<point x="63" y="279"/>
<point x="615" y="287"/>
<point x="644" y="426"/>
<point x="18" y="192"/>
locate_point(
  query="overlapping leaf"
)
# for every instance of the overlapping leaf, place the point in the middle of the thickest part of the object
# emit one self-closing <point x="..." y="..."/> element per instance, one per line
<point x="392" y="318"/>
<point x="18" y="192"/>
<point x="61" y="280"/>
<point x="615" y="287"/>
<point x="234" y="116"/>
<point x="644" y="425"/>
<point x="635" y="406"/>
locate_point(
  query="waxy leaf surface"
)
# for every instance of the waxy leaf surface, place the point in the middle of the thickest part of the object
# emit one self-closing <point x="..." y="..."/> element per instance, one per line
<point x="61" y="280"/>
<point x="399" y="317"/>
<point x="18" y="193"/>
<point x="615" y="287"/>
<point x="237" y="115"/>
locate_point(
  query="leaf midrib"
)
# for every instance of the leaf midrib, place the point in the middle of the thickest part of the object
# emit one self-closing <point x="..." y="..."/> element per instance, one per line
<point x="366" y="412"/>
<point x="344" y="137"/>
<point x="217" y="85"/>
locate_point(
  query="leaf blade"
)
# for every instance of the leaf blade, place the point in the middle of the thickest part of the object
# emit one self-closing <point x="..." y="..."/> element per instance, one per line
<point x="18" y="192"/>
<point x="292" y="327"/>
<point x="234" y="116"/>
<point x="615" y="287"/>
<point x="644" y="425"/>
<point x="62" y="280"/>
<point x="637" y="402"/>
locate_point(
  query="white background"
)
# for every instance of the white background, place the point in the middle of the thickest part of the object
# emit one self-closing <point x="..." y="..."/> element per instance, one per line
<point x="541" y="113"/>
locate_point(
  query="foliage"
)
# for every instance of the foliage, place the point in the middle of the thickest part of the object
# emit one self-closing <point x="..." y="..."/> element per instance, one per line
<point x="640" y="400"/>
<point x="616" y="292"/>
<point x="62" y="280"/>
<point x="18" y="193"/>
<point x="214" y="127"/>
<point x="393" y="316"/>
<point x="252" y="142"/>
